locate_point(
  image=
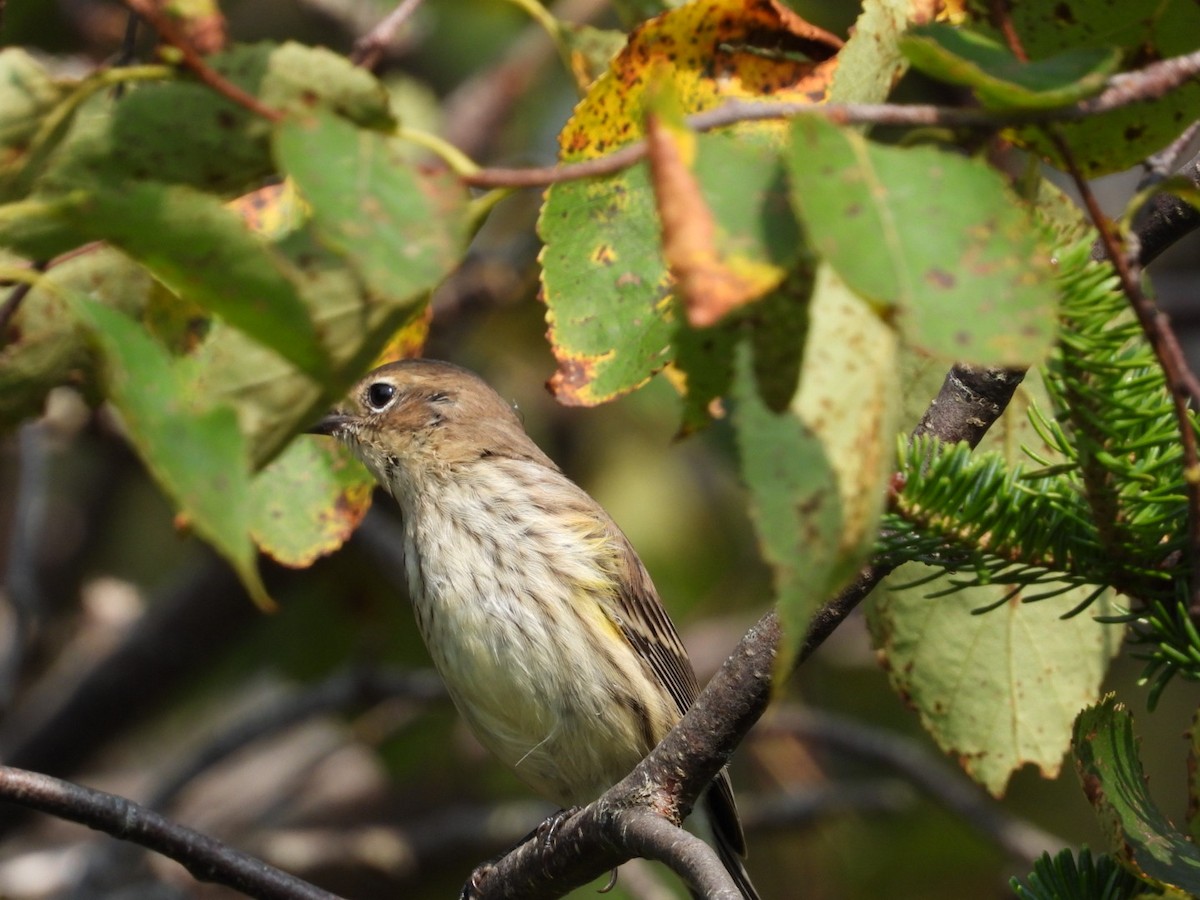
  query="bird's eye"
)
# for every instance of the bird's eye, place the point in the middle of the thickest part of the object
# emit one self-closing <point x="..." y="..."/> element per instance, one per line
<point x="380" y="394"/>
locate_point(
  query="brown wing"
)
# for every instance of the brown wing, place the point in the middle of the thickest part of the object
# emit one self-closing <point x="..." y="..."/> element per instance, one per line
<point x="641" y="617"/>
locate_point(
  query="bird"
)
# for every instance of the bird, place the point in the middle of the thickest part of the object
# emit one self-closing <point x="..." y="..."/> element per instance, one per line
<point x="535" y="608"/>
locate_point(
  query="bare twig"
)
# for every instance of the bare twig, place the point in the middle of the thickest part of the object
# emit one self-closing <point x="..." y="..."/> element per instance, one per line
<point x="1181" y="381"/>
<point x="370" y="48"/>
<point x="341" y="691"/>
<point x="1123" y="89"/>
<point x="1165" y="161"/>
<point x="154" y="15"/>
<point x="14" y="300"/>
<point x="207" y="859"/>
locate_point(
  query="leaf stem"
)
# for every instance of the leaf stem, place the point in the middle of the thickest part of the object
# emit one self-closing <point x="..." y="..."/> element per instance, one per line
<point x="459" y="163"/>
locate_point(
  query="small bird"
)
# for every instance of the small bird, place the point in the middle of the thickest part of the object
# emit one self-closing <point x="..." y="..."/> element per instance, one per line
<point x="537" y="612"/>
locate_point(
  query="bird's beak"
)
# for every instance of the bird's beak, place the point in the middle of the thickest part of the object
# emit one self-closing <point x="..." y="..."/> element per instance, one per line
<point x="333" y="424"/>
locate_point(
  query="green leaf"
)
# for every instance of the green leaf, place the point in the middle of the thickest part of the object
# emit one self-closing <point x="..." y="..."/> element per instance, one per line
<point x="976" y="288"/>
<point x="999" y="79"/>
<point x="401" y="231"/>
<point x="27" y="97"/>
<point x="46" y="345"/>
<point x="204" y="253"/>
<point x="183" y="132"/>
<point x="1106" y="757"/>
<point x="271" y="398"/>
<point x="607" y="289"/>
<point x="308" y="501"/>
<point x="1115" y="140"/>
<point x="871" y="63"/>
<point x="817" y="470"/>
<point x="197" y="456"/>
<point x="299" y="79"/>
<point x="794" y="504"/>
<point x="998" y="690"/>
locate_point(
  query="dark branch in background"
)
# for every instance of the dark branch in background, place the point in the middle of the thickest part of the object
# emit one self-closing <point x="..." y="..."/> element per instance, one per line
<point x="341" y="692"/>
<point x="929" y="774"/>
<point x="370" y="48"/>
<point x="23" y="590"/>
<point x="1123" y="89"/>
<point x="338" y="693"/>
<point x="161" y="22"/>
<point x="179" y="632"/>
<point x="791" y="812"/>
<point x="206" y="858"/>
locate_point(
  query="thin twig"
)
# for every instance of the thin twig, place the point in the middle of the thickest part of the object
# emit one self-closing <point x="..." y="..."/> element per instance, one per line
<point x="1181" y="381"/>
<point x="342" y="690"/>
<point x="369" y="49"/>
<point x="1166" y="160"/>
<point x="13" y="303"/>
<point x="192" y="60"/>
<point x="1123" y="89"/>
<point x="206" y="858"/>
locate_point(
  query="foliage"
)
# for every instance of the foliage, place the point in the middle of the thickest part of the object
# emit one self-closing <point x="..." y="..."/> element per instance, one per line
<point x="1064" y="877"/>
<point x="791" y="267"/>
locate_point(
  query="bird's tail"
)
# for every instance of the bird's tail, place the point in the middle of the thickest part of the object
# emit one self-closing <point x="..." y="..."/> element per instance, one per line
<point x="728" y="838"/>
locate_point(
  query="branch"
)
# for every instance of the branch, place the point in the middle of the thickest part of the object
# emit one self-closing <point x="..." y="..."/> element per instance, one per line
<point x="341" y="691"/>
<point x="369" y="49"/>
<point x="929" y="774"/>
<point x="1167" y="218"/>
<point x="161" y="22"/>
<point x="206" y="858"/>
<point x="1181" y="381"/>
<point x="1122" y="89"/>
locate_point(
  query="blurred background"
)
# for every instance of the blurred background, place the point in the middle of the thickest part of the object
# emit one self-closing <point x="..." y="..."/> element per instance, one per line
<point x="131" y="660"/>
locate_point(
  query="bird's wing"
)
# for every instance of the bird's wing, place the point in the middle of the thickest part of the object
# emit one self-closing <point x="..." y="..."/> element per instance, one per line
<point x="640" y="616"/>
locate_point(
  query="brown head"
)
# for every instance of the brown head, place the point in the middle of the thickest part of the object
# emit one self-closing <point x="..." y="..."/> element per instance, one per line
<point x="422" y="415"/>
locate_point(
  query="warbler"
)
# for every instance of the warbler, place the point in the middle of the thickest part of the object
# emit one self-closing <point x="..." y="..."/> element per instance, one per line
<point x="535" y="609"/>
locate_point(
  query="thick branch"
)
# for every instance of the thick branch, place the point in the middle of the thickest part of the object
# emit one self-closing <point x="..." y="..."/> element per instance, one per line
<point x="206" y="858"/>
<point x="1168" y="218"/>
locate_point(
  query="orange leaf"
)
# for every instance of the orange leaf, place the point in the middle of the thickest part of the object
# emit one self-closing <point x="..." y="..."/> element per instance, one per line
<point x="709" y="289"/>
<point x="712" y="51"/>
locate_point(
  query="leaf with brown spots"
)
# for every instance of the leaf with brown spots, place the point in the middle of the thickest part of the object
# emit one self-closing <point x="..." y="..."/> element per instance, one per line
<point x="607" y="286"/>
<point x="710" y="282"/>
<point x="308" y="501"/>
<point x="934" y="241"/>
<point x="999" y="690"/>
<point x="817" y="470"/>
<point x="1106" y="757"/>
<point x="1144" y="33"/>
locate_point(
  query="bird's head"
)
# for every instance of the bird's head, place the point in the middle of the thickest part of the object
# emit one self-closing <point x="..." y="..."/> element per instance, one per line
<point x="421" y="415"/>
